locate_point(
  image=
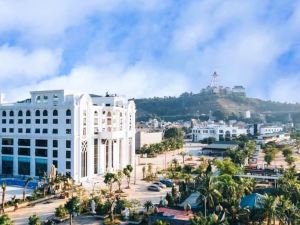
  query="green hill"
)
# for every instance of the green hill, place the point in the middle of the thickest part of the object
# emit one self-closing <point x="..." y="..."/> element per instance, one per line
<point x="228" y="106"/>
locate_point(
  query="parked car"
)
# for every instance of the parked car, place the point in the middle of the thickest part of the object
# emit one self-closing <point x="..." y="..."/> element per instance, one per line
<point x="154" y="187"/>
<point x="167" y="182"/>
<point x="159" y="184"/>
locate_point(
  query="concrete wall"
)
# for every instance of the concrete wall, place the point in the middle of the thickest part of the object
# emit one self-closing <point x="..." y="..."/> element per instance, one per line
<point x="144" y="138"/>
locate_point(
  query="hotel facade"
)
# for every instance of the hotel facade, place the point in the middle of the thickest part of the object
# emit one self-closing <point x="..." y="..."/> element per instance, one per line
<point x="80" y="134"/>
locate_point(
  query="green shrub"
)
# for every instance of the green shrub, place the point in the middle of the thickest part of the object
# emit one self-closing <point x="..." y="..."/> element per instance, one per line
<point x="61" y="212"/>
<point x="34" y="220"/>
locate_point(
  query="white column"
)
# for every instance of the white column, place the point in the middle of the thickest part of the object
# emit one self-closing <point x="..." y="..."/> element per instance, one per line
<point x="120" y="144"/>
<point x="32" y="159"/>
<point x="109" y="155"/>
<point x="15" y="157"/>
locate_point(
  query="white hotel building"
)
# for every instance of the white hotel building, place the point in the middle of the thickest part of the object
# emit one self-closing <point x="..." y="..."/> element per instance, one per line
<point x="220" y="131"/>
<point x="82" y="135"/>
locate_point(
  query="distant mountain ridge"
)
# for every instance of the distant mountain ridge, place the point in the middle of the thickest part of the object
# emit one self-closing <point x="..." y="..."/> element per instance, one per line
<point x="189" y="105"/>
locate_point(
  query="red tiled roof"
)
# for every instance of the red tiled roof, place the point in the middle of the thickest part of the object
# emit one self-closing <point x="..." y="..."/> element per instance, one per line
<point x="178" y="214"/>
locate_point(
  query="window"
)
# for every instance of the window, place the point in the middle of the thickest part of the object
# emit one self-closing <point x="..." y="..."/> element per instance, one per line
<point x="68" y="121"/>
<point x="68" y="165"/>
<point x="54" y="154"/>
<point x="20" y="130"/>
<point x="55" y="112"/>
<point x="68" y="154"/>
<point x="45" y="121"/>
<point x="4" y="121"/>
<point x="45" y="98"/>
<point x="45" y="113"/>
<point x="24" y="151"/>
<point x="45" y="131"/>
<point x="68" y="131"/>
<point x="37" y="121"/>
<point x="28" y="113"/>
<point x="55" y="131"/>
<point x="37" y="113"/>
<point x="11" y="121"/>
<point x="55" y="163"/>
<point x="11" y="130"/>
<point x="37" y="131"/>
<point x="41" y="152"/>
<point x="11" y="113"/>
<point x="95" y="113"/>
<point x="24" y="166"/>
<point x="95" y="121"/>
<point x="7" y="150"/>
<point x="20" y="113"/>
<point x="3" y="113"/>
<point x="68" y="144"/>
<point x="3" y="130"/>
<point x="55" y="97"/>
<point x="55" y="143"/>
<point x="68" y="112"/>
<point x="20" y="121"/>
<point x="27" y="130"/>
<point x="55" y="121"/>
<point x="41" y="142"/>
<point x="38" y="99"/>
<point x="28" y="121"/>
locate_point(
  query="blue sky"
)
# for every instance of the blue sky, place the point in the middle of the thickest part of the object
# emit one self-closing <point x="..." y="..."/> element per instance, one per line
<point x="150" y="48"/>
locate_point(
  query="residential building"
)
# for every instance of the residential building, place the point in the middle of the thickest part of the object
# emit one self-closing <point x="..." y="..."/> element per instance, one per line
<point x="220" y="131"/>
<point x="80" y="134"/>
<point x="270" y="129"/>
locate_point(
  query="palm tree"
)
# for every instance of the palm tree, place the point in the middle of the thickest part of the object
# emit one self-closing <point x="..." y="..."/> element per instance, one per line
<point x="73" y="206"/>
<point x="3" y="187"/>
<point x="127" y="171"/>
<point x="118" y="178"/>
<point x="25" y="186"/>
<point x="209" y="192"/>
<point x="45" y="178"/>
<point x="109" y="179"/>
<point x="5" y="220"/>
<point x="270" y="208"/>
<point x="148" y="205"/>
<point x="183" y="154"/>
<point x="144" y="171"/>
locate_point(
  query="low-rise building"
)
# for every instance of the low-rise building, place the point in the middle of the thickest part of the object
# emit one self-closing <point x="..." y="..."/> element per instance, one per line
<point x="219" y="131"/>
<point x="269" y="129"/>
<point x="146" y="138"/>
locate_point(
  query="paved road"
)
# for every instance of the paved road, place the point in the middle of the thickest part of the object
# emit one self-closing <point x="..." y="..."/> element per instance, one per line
<point x="43" y="210"/>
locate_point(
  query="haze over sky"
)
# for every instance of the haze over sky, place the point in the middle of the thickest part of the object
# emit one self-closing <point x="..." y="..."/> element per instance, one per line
<point x="150" y="48"/>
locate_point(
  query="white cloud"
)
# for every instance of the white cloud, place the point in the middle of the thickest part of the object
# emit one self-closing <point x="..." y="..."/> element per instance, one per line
<point x="160" y="50"/>
<point x="137" y="81"/>
<point x="50" y="19"/>
<point x="285" y="89"/>
<point x="21" y="66"/>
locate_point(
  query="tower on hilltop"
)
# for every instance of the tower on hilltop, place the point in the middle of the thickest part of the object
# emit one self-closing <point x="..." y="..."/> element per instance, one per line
<point x="214" y="80"/>
<point x="214" y="84"/>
